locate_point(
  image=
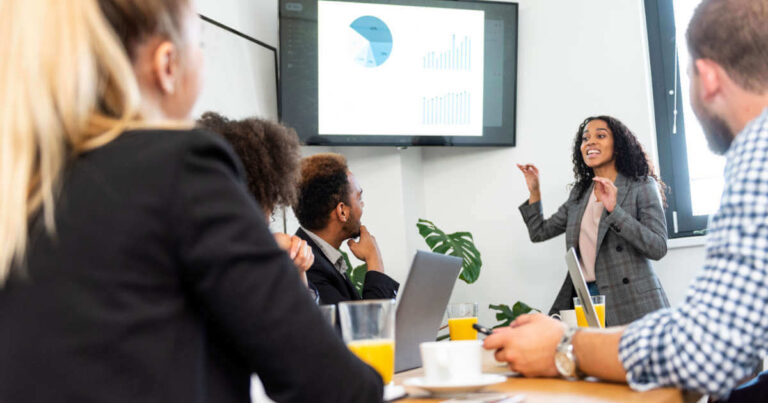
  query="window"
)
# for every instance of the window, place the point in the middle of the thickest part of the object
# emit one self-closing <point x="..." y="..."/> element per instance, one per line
<point x="694" y="174"/>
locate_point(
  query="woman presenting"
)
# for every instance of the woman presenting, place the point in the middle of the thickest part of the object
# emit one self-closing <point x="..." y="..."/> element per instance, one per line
<point x="613" y="217"/>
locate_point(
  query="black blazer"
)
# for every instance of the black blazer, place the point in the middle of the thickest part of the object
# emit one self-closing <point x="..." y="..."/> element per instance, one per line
<point x="333" y="287"/>
<point x="163" y="284"/>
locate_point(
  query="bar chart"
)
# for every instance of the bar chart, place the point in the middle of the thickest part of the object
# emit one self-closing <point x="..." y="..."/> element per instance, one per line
<point x="452" y="108"/>
<point x="456" y="58"/>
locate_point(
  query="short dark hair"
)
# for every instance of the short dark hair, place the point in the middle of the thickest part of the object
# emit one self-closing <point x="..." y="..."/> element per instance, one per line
<point x="631" y="159"/>
<point x="734" y="34"/>
<point x="269" y="152"/>
<point x="323" y="185"/>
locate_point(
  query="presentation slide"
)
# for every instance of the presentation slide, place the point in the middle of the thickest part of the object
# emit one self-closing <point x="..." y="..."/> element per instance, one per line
<point x="399" y="70"/>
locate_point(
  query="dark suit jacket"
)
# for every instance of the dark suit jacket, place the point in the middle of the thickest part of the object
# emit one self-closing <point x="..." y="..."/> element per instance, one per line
<point x="163" y="284"/>
<point x="626" y="239"/>
<point x="333" y="287"/>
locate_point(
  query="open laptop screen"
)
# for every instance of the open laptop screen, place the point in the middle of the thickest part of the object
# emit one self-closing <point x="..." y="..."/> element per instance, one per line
<point x="422" y="304"/>
<point x="577" y="277"/>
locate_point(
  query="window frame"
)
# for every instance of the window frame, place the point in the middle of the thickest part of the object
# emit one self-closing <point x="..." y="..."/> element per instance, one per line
<point x="668" y="111"/>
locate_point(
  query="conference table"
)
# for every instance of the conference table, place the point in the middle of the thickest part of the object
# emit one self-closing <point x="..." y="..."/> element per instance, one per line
<point x="545" y="390"/>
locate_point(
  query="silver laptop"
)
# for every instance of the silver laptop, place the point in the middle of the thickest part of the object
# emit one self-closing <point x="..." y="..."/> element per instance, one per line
<point x="577" y="277"/>
<point x="422" y="305"/>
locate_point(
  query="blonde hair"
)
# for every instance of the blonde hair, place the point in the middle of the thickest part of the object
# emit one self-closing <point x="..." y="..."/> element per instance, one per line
<point x="68" y="86"/>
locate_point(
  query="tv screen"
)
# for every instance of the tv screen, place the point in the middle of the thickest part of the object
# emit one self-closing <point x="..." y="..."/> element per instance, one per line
<point x="420" y="72"/>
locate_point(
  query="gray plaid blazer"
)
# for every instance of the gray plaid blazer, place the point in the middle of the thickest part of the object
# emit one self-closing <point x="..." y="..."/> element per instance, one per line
<point x="626" y="239"/>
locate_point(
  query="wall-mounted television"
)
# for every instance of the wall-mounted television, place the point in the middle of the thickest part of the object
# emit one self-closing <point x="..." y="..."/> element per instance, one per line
<point x="402" y="73"/>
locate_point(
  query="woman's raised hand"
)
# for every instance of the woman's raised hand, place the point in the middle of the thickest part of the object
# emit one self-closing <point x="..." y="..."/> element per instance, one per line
<point x="605" y="192"/>
<point x="531" y="174"/>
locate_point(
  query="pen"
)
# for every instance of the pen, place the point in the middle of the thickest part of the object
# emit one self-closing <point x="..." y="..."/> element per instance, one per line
<point x="482" y="329"/>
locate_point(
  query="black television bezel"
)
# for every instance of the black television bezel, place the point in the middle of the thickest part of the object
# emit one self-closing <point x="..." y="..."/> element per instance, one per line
<point x="316" y="139"/>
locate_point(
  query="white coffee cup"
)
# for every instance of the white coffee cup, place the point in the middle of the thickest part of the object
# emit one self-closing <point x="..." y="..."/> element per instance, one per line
<point x="451" y="361"/>
<point x="568" y="316"/>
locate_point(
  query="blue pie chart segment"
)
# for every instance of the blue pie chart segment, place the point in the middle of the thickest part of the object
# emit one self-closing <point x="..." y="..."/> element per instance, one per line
<point x="376" y="44"/>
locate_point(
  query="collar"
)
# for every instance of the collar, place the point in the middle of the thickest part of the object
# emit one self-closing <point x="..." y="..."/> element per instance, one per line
<point x="329" y="251"/>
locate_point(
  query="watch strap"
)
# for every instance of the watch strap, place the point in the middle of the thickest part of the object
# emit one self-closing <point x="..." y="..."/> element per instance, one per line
<point x="566" y="346"/>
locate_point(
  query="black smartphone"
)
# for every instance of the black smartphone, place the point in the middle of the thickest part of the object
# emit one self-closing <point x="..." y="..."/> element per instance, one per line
<point x="482" y="329"/>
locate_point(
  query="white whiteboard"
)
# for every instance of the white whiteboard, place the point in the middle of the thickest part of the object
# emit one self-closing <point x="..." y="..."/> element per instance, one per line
<point x="239" y="77"/>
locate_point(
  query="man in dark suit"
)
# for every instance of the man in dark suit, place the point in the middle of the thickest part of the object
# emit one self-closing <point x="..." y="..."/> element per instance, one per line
<point x="329" y="208"/>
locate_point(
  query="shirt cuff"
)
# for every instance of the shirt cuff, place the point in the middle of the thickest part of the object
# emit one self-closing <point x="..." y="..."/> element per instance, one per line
<point x="640" y="344"/>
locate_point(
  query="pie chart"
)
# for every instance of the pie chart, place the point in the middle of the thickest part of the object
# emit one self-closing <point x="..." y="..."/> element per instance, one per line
<point x="372" y="42"/>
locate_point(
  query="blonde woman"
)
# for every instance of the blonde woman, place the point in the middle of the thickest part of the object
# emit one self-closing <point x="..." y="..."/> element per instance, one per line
<point x="134" y="265"/>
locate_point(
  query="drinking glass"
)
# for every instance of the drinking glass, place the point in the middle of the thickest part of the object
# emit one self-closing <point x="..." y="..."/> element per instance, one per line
<point x="368" y="329"/>
<point x="461" y="317"/>
<point x="598" y="301"/>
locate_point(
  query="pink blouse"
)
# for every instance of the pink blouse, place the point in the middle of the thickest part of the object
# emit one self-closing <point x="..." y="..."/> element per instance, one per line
<point x="588" y="236"/>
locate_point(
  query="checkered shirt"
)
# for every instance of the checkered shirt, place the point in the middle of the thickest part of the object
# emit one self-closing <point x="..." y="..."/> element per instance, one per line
<point x="719" y="334"/>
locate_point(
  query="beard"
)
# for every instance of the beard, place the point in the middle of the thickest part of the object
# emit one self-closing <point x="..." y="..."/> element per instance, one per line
<point x="352" y="229"/>
<point x="355" y="233"/>
<point x="719" y="136"/>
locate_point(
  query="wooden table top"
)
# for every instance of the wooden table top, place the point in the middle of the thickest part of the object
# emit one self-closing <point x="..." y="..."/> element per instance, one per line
<point x="546" y="390"/>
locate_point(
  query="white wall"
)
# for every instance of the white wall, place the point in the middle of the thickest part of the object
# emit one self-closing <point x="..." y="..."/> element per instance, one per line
<point x="576" y="58"/>
<point x="255" y="18"/>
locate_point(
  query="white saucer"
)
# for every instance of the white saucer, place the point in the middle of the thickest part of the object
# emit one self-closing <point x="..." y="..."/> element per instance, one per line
<point x="393" y="392"/>
<point x="455" y="387"/>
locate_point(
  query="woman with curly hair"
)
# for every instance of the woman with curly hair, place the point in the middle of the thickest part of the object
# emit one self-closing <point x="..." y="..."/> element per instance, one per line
<point x="613" y="217"/>
<point x="270" y="155"/>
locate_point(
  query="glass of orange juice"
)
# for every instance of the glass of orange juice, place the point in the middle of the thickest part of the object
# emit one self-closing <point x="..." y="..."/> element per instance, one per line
<point x="368" y="329"/>
<point x="461" y="316"/>
<point x="598" y="301"/>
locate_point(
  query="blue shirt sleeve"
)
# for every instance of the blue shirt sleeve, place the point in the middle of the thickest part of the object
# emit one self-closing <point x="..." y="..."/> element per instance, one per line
<point x="716" y="338"/>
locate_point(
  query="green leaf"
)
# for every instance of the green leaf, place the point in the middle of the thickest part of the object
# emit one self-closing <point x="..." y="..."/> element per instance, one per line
<point x="521" y="308"/>
<point x="504" y="310"/>
<point x="506" y="315"/>
<point x="356" y="275"/>
<point x="459" y="244"/>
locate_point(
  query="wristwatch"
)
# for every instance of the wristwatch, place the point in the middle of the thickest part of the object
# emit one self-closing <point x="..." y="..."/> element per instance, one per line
<point x="565" y="359"/>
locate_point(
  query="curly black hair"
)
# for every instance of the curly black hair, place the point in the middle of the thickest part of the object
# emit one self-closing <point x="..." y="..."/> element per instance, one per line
<point x="631" y="159"/>
<point x="323" y="185"/>
<point x="270" y="155"/>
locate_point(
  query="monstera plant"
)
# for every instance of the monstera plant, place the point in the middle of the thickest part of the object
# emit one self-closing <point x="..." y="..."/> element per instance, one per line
<point x="506" y="315"/>
<point x="459" y="244"/>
